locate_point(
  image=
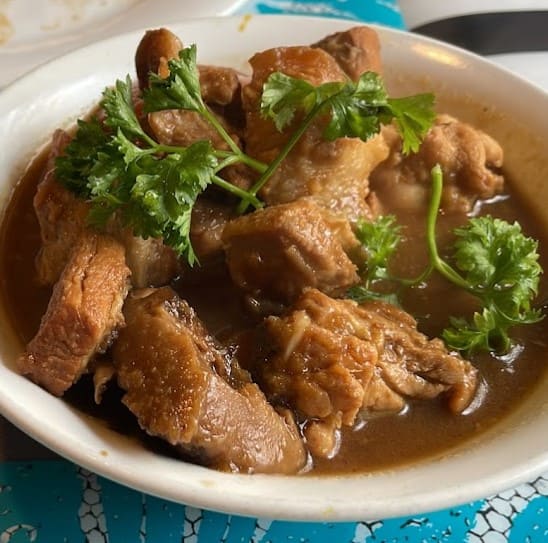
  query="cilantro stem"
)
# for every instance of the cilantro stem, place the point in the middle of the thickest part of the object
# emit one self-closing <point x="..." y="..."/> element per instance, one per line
<point x="257" y="165"/>
<point x="436" y="261"/>
<point x="423" y="276"/>
<point x="229" y="157"/>
<point x="248" y="198"/>
<point x="281" y="156"/>
<point x="221" y="130"/>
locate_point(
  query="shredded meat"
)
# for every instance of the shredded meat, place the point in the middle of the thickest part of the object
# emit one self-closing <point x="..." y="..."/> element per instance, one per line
<point x="83" y="315"/>
<point x="276" y="252"/>
<point x="182" y="386"/>
<point x="332" y="359"/>
<point x="470" y="159"/>
<point x="314" y="163"/>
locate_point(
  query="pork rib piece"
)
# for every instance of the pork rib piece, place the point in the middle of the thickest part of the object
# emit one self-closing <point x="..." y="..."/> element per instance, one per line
<point x="332" y="359"/>
<point x="183" y="387"/>
<point x="276" y="252"/>
<point x="356" y="50"/>
<point x="83" y="315"/>
<point x="334" y="173"/>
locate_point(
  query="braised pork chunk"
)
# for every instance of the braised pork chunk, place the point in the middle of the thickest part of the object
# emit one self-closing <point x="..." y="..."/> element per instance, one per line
<point x="61" y="216"/>
<point x="83" y="315"/>
<point x="470" y="159"/>
<point x="182" y="386"/>
<point x="334" y="173"/>
<point x="276" y="252"/>
<point x="332" y="360"/>
<point x="152" y="263"/>
<point x="356" y="50"/>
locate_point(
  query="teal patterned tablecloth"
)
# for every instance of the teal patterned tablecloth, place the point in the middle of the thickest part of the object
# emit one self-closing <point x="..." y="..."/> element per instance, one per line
<point x="384" y="12"/>
<point x="55" y="501"/>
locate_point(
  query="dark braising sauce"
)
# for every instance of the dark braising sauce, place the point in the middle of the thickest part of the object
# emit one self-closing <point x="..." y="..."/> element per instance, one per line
<point x="426" y="428"/>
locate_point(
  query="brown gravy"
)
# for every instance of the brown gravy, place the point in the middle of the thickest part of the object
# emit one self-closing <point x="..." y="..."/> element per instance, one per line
<point x="426" y="428"/>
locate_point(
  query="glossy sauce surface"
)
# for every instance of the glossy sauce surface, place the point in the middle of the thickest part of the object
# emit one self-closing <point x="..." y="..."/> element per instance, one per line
<point x="425" y="429"/>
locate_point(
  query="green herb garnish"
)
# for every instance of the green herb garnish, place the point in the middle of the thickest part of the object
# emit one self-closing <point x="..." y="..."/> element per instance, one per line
<point x="493" y="261"/>
<point x="379" y="240"/>
<point x="498" y="264"/>
<point x="151" y="187"/>
<point x="357" y="110"/>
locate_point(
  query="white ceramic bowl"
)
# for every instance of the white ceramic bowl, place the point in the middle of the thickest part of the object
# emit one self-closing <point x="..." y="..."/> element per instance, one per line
<point x="510" y="109"/>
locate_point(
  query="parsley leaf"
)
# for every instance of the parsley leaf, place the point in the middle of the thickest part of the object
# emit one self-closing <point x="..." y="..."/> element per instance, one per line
<point x="180" y="89"/>
<point x="496" y="263"/>
<point x="357" y="109"/>
<point x="379" y="240"/>
<point x="119" y="109"/>
<point x="80" y="155"/>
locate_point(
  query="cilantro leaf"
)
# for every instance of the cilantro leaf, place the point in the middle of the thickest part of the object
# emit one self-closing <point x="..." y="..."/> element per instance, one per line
<point x="163" y="195"/>
<point x="74" y="166"/>
<point x="119" y="109"/>
<point x="498" y="264"/>
<point x="283" y="96"/>
<point x="491" y="259"/>
<point x="180" y="89"/>
<point x="474" y="336"/>
<point x="414" y="115"/>
<point x="379" y="240"/>
<point x="357" y="109"/>
<point x="150" y="187"/>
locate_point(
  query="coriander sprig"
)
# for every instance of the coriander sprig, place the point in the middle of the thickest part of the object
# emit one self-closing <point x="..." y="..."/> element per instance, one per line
<point x="495" y="262"/>
<point x="379" y="240"/>
<point x="152" y="187"/>
<point x="491" y="259"/>
<point x="120" y="169"/>
<point x="356" y="109"/>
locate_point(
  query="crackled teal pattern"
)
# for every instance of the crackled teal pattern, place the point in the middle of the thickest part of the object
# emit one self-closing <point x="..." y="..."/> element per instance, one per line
<point x="56" y="501"/>
<point x="385" y="12"/>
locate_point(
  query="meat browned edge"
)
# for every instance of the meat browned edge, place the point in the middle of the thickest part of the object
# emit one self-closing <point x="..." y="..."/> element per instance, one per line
<point x="183" y="387"/>
<point x="83" y="314"/>
<point x="334" y="360"/>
